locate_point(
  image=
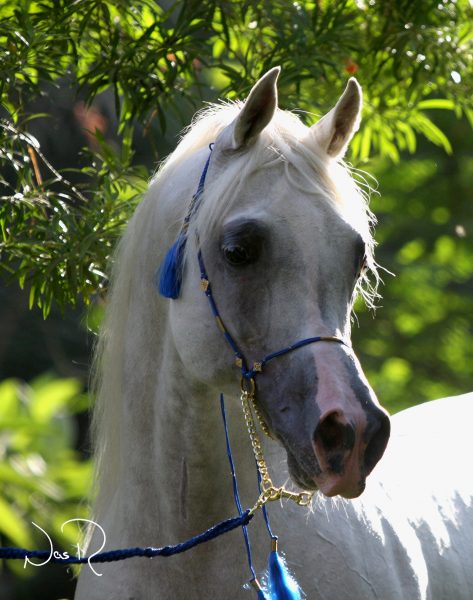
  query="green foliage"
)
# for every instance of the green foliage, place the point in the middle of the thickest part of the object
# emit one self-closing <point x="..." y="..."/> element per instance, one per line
<point x="412" y="58"/>
<point x="41" y="477"/>
<point x="58" y="242"/>
<point x="419" y="345"/>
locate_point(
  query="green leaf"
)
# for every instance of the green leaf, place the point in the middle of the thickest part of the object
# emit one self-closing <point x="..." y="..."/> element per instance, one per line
<point x="32" y="296"/>
<point x="8" y="399"/>
<point x="442" y="103"/>
<point x="424" y="125"/>
<point x="13" y="527"/>
<point x="218" y="48"/>
<point x="409" y="135"/>
<point x="50" y="397"/>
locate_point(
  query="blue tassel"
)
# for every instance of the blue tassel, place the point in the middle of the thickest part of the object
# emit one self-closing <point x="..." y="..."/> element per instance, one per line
<point x="170" y="273"/>
<point x="281" y="584"/>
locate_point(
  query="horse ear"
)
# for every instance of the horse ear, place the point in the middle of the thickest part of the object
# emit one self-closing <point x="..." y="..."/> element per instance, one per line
<point x="257" y="111"/>
<point x="335" y="130"/>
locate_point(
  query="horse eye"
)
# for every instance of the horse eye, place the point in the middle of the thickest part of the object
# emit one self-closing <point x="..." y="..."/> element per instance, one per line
<point x="236" y="255"/>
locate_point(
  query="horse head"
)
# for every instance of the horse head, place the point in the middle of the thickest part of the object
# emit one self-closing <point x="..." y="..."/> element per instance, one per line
<point x="285" y="235"/>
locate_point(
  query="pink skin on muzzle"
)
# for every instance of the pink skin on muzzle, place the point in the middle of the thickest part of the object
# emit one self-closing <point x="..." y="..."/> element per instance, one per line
<point x="353" y="430"/>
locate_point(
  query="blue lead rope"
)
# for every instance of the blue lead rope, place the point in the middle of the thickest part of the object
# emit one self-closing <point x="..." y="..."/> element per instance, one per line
<point x="113" y="555"/>
<point x="254" y="581"/>
<point x="281" y="584"/>
<point x="236" y="493"/>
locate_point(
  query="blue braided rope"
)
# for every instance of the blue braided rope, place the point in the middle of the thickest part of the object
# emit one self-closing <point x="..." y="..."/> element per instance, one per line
<point x="121" y="554"/>
<point x="300" y="344"/>
<point x="195" y="202"/>
<point x="215" y="312"/>
<point x="236" y="493"/>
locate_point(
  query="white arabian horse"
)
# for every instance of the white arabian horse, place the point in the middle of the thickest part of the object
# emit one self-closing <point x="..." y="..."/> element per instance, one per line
<point x="285" y="235"/>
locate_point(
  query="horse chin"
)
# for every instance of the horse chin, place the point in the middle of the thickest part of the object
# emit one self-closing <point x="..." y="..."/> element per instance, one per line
<point x="329" y="484"/>
<point x="332" y="485"/>
<point x="299" y="476"/>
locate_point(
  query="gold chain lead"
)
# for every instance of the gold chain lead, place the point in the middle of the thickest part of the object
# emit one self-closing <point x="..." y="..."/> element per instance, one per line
<point x="269" y="492"/>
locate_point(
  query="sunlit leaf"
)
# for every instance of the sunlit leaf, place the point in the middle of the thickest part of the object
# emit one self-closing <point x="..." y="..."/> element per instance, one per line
<point x="9" y="403"/>
<point x="424" y="125"/>
<point x="49" y="397"/>
<point x="13" y="526"/>
<point x="443" y="103"/>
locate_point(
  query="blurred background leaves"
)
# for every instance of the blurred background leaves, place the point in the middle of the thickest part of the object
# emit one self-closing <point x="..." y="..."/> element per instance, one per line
<point x="92" y="96"/>
<point x="42" y="477"/>
<point x="419" y="345"/>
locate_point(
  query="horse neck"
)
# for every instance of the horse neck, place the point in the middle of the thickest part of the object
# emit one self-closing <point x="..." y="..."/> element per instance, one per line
<point x="162" y="430"/>
<point x="175" y="475"/>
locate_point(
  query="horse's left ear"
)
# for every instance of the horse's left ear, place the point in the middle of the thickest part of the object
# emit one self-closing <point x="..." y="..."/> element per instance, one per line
<point x="335" y="130"/>
<point x="257" y="111"/>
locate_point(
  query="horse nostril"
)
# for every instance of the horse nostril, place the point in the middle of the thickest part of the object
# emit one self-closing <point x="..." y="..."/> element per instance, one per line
<point x="335" y="438"/>
<point x="334" y="434"/>
<point x="378" y="438"/>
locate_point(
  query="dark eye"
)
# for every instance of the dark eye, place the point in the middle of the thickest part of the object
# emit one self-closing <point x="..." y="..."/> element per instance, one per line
<point x="242" y="242"/>
<point x="236" y="255"/>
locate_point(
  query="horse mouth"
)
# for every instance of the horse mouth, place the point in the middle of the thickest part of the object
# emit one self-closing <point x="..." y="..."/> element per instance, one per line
<point x="310" y="477"/>
<point x="299" y="474"/>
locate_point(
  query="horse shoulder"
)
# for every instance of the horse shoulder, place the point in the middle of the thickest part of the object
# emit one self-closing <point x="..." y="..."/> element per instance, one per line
<point x="427" y="482"/>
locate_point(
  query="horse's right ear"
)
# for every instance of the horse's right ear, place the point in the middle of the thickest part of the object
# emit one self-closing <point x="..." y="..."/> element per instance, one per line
<point x="257" y="111"/>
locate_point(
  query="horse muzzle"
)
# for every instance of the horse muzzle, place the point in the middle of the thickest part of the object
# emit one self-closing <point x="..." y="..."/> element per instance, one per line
<point x="329" y="421"/>
<point x="341" y="454"/>
<point x="346" y="451"/>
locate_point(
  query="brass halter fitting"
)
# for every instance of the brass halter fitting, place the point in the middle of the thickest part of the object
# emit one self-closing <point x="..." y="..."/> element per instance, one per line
<point x="247" y="386"/>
